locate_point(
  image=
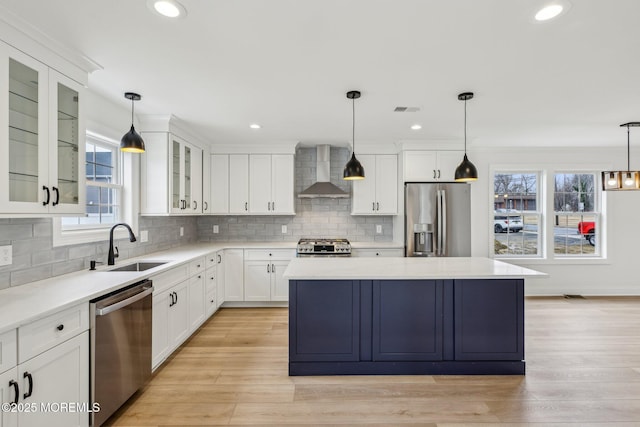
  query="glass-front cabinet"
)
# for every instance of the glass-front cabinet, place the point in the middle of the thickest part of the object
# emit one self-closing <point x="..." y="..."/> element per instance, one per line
<point x="42" y="142"/>
<point x="186" y="182"/>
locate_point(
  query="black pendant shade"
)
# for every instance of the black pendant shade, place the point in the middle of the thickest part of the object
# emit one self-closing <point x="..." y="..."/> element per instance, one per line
<point x="353" y="170"/>
<point x="466" y="171"/>
<point x="132" y="142"/>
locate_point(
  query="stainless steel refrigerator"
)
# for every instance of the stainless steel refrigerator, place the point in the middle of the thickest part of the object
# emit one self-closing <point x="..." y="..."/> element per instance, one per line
<point x="437" y="219"/>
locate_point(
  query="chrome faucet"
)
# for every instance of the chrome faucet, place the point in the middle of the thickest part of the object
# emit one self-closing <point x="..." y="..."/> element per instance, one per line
<point x="113" y="254"/>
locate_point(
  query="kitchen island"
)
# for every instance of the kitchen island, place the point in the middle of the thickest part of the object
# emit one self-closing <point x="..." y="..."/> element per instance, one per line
<point x="406" y="316"/>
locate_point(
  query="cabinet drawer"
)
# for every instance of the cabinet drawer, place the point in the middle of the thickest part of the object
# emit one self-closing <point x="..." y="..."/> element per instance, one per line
<point x="46" y="333"/>
<point x="211" y="260"/>
<point x="269" y="254"/>
<point x="8" y="350"/>
<point x="169" y="278"/>
<point x="196" y="266"/>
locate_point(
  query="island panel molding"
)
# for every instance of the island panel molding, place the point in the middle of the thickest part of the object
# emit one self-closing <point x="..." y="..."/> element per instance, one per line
<point x="406" y="327"/>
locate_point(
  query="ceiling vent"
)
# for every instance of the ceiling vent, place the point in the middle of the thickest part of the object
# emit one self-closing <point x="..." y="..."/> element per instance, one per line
<point x="406" y="109"/>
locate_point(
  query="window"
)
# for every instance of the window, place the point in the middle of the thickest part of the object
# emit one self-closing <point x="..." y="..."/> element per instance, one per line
<point x="576" y="214"/>
<point x="104" y="188"/>
<point x="112" y="181"/>
<point x="517" y="220"/>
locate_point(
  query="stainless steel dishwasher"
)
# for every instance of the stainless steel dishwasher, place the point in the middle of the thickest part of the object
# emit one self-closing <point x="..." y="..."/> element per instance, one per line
<point x="120" y="347"/>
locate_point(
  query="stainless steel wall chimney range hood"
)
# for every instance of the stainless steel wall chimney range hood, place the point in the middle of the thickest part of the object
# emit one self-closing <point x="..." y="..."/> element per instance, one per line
<point x="323" y="187"/>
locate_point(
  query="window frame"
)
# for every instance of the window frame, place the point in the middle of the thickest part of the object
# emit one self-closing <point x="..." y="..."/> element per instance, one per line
<point x="129" y="206"/>
<point x="539" y="213"/>
<point x="547" y="172"/>
<point x="597" y="213"/>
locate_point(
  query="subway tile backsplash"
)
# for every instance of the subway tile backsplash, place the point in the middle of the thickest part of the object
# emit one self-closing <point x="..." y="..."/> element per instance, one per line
<point x="35" y="258"/>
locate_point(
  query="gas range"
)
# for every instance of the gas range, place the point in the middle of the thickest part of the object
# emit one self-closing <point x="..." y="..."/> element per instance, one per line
<point x="323" y="247"/>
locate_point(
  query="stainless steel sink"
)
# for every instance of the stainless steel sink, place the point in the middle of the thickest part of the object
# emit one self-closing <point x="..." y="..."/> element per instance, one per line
<point x="138" y="266"/>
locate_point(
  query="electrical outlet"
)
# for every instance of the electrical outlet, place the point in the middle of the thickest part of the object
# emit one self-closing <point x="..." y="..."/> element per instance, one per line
<point x="6" y="255"/>
<point x="216" y="229"/>
<point x="181" y="231"/>
<point x="284" y="229"/>
<point x="378" y="229"/>
<point x="144" y="236"/>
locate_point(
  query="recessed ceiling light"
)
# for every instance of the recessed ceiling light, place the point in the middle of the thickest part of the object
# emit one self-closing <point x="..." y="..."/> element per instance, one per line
<point x="255" y="126"/>
<point x="416" y="127"/>
<point x="168" y="8"/>
<point x="550" y="11"/>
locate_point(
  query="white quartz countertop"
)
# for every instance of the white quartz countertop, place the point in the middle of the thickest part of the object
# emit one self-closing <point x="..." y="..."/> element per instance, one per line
<point x="404" y="268"/>
<point x="23" y="304"/>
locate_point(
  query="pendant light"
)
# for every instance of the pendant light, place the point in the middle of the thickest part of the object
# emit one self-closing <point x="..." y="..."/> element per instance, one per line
<point x="466" y="171"/>
<point x="623" y="180"/>
<point x="353" y="170"/>
<point x="132" y="142"/>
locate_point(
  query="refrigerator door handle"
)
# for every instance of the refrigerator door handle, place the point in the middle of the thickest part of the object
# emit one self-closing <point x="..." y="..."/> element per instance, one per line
<point x="438" y="223"/>
<point x="443" y="223"/>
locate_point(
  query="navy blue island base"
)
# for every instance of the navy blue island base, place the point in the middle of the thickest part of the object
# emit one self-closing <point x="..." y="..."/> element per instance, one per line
<point x="406" y="327"/>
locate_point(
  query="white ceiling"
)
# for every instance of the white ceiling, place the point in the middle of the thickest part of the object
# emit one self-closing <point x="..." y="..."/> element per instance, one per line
<point x="287" y="64"/>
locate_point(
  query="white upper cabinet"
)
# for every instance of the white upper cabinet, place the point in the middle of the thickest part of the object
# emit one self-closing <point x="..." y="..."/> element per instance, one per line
<point x="186" y="177"/>
<point x="171" y="175"/>
<point x="219" y="184"/>
<point x="250" y="184"/>
<point x="238" y="184"/>
<point x="43" y="151"/>
<point x="377" y="194"/>
<point x="271" y="184"/>
<point x="424" y="166"/>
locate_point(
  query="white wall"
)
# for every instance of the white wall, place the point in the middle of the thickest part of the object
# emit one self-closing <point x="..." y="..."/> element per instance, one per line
<point x="107" y="118"/>
<point x="616" y="275"/>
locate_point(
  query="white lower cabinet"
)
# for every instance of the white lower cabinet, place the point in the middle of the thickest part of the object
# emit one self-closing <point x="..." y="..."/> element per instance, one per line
<point x="263" y="270"/>
<point x="170" y="321"/>
<point x="196" y="301"/>
<point x="196" y="293"/>
<point x="8" y="396"/>
<point x="220" y="279"/>
<point x="58" y="376"/>
<point x="234" y="275"/>
<point x="50" y="386"/>
<point x="211" y="284"/>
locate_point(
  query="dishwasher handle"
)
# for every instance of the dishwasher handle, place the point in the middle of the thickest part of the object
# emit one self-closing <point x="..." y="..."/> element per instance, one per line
<point x="118" y="305"/>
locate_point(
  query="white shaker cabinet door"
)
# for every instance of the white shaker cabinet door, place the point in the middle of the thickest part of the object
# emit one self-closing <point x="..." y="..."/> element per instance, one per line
<point x="8" y="395"/>
<point x="364" y="190"/>
<point x="257" y="281"/>
<point x="386" y="176"/>
<point x="238" y="183"/>
<point x="282" y="192"/>
<point x="260" y="183"/>
<point x="219" y="184"/>
<point x="60" y="374"/>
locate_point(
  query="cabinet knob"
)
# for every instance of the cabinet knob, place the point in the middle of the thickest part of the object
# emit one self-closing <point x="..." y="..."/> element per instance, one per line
<point x="60" y="327"/>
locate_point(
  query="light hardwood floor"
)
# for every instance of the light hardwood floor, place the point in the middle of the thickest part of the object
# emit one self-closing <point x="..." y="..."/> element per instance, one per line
<point x="583" y="369"/>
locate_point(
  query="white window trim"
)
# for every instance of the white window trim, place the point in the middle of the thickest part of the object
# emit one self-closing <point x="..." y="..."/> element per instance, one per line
<point x="548" y="257"/>
<point x="539" y="212"/>
<point x="597" y="213"/>
<point x="130" y="172"/>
